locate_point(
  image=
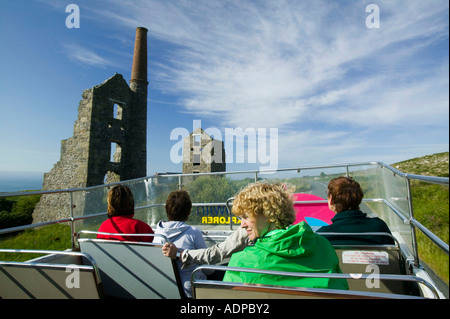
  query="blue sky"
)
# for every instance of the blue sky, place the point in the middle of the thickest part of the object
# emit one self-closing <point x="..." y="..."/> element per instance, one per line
<point x="336" y="90"/>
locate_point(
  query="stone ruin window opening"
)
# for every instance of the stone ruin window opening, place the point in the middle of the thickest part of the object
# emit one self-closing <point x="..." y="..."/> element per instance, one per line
<point x="116" y="152"/>
<point x="197" y="139"/>
<point x="117" y="111"/>
<point x="197" y="142"/>
<point x="196" y="159"/>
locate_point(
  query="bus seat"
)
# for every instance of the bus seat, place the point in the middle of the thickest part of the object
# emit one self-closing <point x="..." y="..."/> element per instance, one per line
<point x="50" y="277"/>
<point x="210" y="289"/>
<point x="204" y="289"/>
<point x="372" y="259"/>
<point x="134" y="269"/>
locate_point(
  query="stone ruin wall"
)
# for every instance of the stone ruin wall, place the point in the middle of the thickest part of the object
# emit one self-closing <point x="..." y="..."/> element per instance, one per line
<point x="70" y="171"/>
<point x="208" y="149"/>
<point x="86" y="156"/>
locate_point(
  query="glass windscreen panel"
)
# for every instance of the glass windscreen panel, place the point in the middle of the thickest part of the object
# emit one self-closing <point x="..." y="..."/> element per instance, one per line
<point x="385" y="196"/>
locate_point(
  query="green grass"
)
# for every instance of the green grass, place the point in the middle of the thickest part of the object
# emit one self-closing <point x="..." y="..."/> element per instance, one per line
<point x="53" y="237"/>
<point x="431" y="208"/>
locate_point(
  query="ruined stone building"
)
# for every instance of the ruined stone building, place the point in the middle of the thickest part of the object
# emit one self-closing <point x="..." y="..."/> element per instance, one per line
<point x="109" y="141"/>
<point x="202" y="153"/>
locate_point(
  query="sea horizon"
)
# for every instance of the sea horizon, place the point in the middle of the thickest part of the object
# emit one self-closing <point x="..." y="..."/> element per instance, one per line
<point x="20" y="181"/>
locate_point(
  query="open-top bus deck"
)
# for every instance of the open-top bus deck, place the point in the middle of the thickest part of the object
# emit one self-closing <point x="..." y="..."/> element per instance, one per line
<point x="94" y="268"/>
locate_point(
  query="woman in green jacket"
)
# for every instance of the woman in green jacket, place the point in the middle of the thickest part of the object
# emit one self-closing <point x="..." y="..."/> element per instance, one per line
<point x="266" y="211"/>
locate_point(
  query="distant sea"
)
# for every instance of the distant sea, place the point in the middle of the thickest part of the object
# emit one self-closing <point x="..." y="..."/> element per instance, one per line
<point x="20" y="181"/>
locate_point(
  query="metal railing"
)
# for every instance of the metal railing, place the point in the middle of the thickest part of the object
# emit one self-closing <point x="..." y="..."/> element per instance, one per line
<point x="256" y="173"/>
<point x="401" y="278"/>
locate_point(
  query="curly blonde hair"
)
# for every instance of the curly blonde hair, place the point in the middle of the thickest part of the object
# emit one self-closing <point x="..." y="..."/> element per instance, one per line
<point x="271" y="200"/>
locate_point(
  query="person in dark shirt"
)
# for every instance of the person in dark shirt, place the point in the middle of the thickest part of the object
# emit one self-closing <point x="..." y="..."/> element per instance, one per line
<point x="344" y="197"/>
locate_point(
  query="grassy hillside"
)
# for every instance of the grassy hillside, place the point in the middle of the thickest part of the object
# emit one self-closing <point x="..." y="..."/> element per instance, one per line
<point x="53" y="237"/>
<point x="431" y="165"/>
<point x="431" y="207"/>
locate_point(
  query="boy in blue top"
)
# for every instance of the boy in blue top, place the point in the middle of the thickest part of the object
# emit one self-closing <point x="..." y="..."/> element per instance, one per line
<point x="178" y="209"/>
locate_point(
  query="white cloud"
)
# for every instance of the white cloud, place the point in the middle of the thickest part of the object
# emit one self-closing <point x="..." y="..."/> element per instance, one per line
<point x="310" y="68"/>
<point x="336" y="90"/>
<point x="242" y="61"/>
<point x="85" y="56"/>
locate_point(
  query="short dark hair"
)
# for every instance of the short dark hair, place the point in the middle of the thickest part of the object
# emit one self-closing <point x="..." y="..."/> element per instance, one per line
<point x="178" y="206"/>
<point x="120" y="201"/>
<point x="346" y="194"/>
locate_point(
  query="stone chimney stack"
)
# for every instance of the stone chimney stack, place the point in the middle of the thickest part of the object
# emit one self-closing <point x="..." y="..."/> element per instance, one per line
<point x="137" y="149"/>
<point x="139" y="69"/>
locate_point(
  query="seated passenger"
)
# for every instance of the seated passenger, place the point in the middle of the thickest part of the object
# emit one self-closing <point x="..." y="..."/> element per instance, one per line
<point x="344" y="197"/>
<point x="266" y="212"/>
<point x="120" y="217"/>
<point x="215" y="254"/>
<point x="178" y="209"/>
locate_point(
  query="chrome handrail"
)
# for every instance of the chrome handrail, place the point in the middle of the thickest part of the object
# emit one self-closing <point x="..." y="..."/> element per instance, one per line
<point x="406" y="220"/>
<point x="397" y="244"/>
<point x="120" y="234"/>
<point x="51" y="252"/>
<point x="430" y="179"/>
<point x="409" y="278"/>
<point x="24" y="227"/>
<point x="435" y="239"/>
